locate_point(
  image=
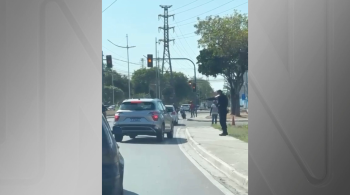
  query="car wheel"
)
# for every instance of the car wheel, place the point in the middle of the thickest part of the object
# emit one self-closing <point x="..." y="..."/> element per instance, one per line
<point x="118" y="138"/>
<point x="160" y="135"/>
<point x="170" y="135"/>
<point x="132" y="136"/>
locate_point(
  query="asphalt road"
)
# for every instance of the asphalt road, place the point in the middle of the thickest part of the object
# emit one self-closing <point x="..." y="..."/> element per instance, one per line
<point x="153" y="168"/>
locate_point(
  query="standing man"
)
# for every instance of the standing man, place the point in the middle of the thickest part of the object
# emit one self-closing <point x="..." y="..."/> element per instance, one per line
<point x="222" y="107"/>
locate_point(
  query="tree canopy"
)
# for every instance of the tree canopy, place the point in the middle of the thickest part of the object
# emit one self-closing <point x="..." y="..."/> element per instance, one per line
<point x="224" y="43"/>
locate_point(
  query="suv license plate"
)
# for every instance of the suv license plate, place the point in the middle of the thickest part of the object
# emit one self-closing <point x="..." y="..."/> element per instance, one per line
<point x="135" y="119"/>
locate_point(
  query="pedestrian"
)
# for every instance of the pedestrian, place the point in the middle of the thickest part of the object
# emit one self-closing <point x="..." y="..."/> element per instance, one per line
<point x="192" y="109"/>
<point x="222" y="107"/>
<point x="214" y="113"/>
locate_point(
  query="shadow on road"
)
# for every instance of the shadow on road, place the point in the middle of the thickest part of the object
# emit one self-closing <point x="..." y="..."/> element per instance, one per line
<point x="180" y="125"/>
<point x="153" y="140"/>
<point x="126" y="192"/>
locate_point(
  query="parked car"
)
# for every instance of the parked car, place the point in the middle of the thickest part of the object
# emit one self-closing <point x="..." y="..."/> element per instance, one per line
<point x="186" y="107"/>
<point x="172" y="111"/>
<point x="112" y="163"/>
<point x="142" y="117"/>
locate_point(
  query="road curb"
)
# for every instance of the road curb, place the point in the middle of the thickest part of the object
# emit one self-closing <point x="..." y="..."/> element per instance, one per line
<point x="209" y="120"/>
<point x="230" y="172"/>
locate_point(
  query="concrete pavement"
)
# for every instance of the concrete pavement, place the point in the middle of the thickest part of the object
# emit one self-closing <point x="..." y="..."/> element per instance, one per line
<point x="153" y="168"/>
<point x="177" y="166"/>
<point x="204" y="117"/>
<point x="227" y="154"/>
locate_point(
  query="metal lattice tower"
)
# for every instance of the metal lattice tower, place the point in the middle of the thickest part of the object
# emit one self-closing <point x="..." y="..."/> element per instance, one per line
<point x="166" y="40"/>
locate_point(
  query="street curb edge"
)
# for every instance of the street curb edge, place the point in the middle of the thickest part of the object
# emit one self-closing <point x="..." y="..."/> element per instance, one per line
<point x="208" y="120"/>
<point x="230" y="172"/>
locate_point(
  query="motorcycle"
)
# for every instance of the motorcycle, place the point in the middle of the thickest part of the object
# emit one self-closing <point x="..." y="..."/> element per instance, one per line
<point x="183" y="114"/>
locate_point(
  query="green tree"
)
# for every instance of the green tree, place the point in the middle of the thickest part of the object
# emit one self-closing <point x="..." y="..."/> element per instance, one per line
<point x="224" y="43"/>
<point x="120" y="81"/>
<point x="108" y="96"/>
<point x="144" y="81"/>
<point x="204" y="88"/>
<point x="182" y="89"/>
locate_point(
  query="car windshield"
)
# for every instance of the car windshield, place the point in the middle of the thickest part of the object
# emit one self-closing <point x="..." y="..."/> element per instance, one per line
<point x="169" y="109"/>
<point x="138" y="105"/>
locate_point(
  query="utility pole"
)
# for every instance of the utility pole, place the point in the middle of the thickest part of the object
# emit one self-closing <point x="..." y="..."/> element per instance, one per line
<point x="127" y="48"/>
<point x="160" y="95"/>
<point x="142" y="62"/>
<point x="158" y="83"/>
<point x="166" y="40"/>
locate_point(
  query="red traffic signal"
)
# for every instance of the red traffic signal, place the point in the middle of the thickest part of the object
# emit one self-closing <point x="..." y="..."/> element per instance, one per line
<point x="150" y="60"/>
<point x="109" y="61"/>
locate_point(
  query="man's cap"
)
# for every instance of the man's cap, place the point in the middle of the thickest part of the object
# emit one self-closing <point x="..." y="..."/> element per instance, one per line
<point x="219" y="91"/>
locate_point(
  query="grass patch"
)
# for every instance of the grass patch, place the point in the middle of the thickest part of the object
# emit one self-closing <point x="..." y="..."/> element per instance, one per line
<point x="239" y="132"/>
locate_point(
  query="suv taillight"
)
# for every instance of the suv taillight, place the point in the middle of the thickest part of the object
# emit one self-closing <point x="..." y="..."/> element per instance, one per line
<point x="116" y="117"/>
<point x="155" y="116"/>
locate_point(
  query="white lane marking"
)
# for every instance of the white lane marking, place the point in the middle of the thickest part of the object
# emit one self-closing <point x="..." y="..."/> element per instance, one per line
<point x="223" y="189"/>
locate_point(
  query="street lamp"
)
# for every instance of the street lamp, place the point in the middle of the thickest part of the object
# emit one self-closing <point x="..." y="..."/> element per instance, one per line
<point x="127" y="48"/>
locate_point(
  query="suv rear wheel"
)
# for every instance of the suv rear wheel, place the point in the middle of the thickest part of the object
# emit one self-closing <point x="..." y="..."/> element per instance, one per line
<point x="160" y="135"/>
<point x="170" y="135"/>
<point x="118" y="138"/>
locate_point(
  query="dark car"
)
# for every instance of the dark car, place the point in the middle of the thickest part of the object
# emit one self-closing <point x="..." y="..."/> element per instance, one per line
<point x="112" y="163"/>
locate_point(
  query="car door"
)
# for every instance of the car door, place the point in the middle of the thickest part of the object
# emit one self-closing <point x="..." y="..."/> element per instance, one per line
<point x="167" y="116"/>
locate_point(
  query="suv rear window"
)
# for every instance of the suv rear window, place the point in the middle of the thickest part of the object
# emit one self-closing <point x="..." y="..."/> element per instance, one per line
<point x="137" y="105"/>
<point x="169" y="109"/>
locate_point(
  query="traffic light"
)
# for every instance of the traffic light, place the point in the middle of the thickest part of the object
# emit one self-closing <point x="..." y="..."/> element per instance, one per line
<point x="190" y="83"/>
<point x="150" y="60"/>
<point x="109" y="61"/>
<point x="194" y="87"/>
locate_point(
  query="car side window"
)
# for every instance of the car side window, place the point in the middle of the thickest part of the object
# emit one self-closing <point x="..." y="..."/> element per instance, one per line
<point x="160" y="107"/>
<point x="164" y="108"/>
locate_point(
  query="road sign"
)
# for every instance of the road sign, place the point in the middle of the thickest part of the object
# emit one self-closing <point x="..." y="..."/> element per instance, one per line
<point x="243" y="96"/>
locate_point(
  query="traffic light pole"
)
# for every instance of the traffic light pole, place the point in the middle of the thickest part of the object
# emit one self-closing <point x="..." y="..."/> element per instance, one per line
<point x="194" y="68"/>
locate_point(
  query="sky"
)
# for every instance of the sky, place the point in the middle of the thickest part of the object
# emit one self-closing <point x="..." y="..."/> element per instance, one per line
<point x="139" y="20"/>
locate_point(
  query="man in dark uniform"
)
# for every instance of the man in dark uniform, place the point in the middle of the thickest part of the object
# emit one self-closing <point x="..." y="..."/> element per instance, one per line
<point x="222" y="107"/>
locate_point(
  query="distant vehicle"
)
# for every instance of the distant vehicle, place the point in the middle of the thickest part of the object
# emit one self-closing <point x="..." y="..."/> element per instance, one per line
<point x="171" y="110"/>
<point x="111" y="107"/>
<point x="183" y="114"/>
<point x="142" y="117"/>
<point x="112" y="163"/>
<point x="186" y="107"/>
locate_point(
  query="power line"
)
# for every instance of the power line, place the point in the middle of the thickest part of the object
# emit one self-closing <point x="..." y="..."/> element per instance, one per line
<point x="126" y="61"/>
<point x="208" y="11"/>
<point x="185" y="5"/>
<point x="195" y="7"/>
<point x="109" y="6"/>
<point x="187" y="37"/>
<point x="113" y="52"/>
<point x="215" y="14"/>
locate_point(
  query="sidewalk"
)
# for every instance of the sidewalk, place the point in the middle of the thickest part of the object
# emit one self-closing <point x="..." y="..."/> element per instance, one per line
<point x="207" y="118"/>
<point x="227" y="153"/>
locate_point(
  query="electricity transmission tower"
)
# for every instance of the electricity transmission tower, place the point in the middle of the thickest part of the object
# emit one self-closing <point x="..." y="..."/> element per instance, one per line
<point x="166" y="40"/>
